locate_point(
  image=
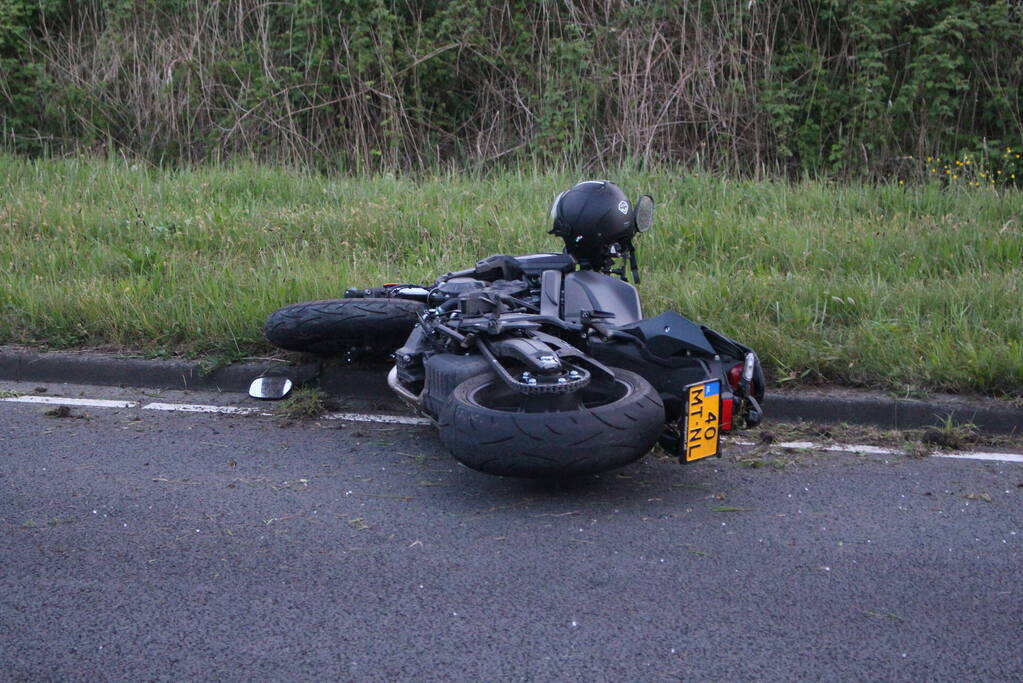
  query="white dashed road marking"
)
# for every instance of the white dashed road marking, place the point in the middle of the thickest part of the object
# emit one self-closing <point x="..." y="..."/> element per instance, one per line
<point x="842" y="448"/>
<point x="401" y="420"/>
<point x="196" y="408"/>
<point x="834" y="448"/>
<point x="83" y="402"/>
<point x="234" y="410"/>
<point x="388" y="419"/>
<point x="881" y="450"/>
<point x="966" y="455"/>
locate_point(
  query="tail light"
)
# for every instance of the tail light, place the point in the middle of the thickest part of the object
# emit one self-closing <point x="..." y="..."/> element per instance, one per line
<point x="727" y="404"/>
<point x="735" y="376"/>
<point x="726" y="415"/>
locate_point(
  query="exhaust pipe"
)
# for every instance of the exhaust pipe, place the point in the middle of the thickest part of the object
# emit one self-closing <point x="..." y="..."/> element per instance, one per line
<point x="404" y="394"/>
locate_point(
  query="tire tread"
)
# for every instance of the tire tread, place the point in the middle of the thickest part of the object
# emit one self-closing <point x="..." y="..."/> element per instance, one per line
<point x="337" y="325"/>
<point x="537" y="445"/>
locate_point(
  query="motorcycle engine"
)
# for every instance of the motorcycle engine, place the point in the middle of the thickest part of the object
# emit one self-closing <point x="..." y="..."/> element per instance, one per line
<point x="458" y="285"/>
<point x="471" y="304"/>
<point x="476" y="297"/>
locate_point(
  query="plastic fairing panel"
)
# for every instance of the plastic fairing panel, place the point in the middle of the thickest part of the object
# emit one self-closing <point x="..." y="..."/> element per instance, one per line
<point x="670" y="334"/>
<point x="550" y="293"/>
<point x="586" y="290"/>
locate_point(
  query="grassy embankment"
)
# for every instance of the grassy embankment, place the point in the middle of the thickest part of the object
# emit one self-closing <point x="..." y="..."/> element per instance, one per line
<point x="910" y="288"/>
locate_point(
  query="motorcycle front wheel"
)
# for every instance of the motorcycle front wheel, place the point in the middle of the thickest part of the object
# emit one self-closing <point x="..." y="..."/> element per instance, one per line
<point x="493" y="429"/>
<point x="372" y="326"/>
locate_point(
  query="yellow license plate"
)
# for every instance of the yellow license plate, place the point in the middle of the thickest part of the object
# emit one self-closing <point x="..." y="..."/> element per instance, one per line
<point x="703" y="420"/>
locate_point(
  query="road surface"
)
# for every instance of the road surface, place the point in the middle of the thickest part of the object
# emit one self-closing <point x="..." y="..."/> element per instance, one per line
<point x="146" y="545"/>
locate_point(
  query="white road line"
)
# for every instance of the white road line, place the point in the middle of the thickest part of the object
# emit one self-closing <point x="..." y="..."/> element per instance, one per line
<point x="834" y="448"/>
<point x="880" y="450"/>
<point x="234" y="410"/>
<point x="387" y="419"/>
<point x="401" y="420"/>
<point x="964" y="455"/>
<point x="197" y="408"/>
<point x="59" y="400"/>
<point x="845" y="448"/>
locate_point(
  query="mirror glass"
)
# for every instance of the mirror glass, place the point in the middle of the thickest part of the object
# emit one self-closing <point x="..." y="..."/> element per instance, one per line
<point x="644" y="213"/>
<point x="271" y="388"/>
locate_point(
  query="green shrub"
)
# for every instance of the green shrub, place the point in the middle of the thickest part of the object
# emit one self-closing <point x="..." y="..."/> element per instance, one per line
<point x="820" y="86"/>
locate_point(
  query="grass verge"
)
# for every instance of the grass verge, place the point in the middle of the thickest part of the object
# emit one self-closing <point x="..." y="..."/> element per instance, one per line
<point x="914" y="288"/>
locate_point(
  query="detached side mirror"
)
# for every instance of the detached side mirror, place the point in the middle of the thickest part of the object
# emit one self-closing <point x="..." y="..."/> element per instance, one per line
<point x="644" y="213"/>
<point x="270" y="387"/>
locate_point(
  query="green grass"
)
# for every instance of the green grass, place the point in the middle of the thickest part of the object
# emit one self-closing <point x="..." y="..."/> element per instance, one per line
<point x="303" y="404"/>
<point x="910" y="288"/>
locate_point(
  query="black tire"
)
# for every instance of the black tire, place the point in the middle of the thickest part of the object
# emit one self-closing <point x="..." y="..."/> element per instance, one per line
<point x="482" y="430"/>
<point x="374" y="326"/>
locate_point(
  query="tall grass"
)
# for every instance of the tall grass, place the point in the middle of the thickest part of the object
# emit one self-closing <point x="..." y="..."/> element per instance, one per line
<point x="906" y="287"/>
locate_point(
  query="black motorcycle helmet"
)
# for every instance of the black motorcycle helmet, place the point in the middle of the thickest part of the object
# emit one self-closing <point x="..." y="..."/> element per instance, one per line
<point x="596" y="220"/>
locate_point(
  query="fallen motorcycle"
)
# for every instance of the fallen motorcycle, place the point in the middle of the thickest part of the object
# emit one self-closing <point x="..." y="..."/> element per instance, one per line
<point x="543" y="365"/>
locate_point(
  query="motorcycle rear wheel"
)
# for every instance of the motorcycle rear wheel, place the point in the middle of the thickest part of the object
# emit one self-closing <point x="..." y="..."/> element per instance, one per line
<point x="490" y="428"/>
<point x="373" y="326"/>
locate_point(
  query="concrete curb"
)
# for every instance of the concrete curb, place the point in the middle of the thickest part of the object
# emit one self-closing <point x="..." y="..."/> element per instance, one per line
<point x="887" y="412"/>
<point x="369" y="382"/>
<point x="109" y="370"/>
<point x="85" y="367"/>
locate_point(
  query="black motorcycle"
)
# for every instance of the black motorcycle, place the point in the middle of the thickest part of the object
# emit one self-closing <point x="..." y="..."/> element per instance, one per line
<point x="543" y="365"/>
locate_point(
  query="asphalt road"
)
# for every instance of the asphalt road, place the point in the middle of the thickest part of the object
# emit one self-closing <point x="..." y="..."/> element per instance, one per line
<point x="145" y="546"/>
